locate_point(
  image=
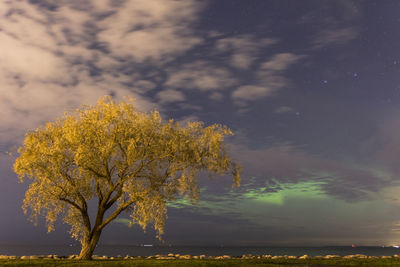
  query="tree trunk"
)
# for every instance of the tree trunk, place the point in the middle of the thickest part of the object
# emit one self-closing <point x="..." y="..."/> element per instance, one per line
<point x="89" y="245"/>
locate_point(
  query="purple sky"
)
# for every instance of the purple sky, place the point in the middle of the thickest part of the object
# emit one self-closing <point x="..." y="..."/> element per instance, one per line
<point x="311" y="89"/>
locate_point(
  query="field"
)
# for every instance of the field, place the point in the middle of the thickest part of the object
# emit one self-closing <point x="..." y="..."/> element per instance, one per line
<point x="206" y="262"/>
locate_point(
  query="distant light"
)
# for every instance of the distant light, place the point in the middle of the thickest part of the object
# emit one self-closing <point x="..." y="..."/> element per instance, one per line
<point x="355" y="74"/>
<point x="325" y="81"/>
<point x="297" y="113"/>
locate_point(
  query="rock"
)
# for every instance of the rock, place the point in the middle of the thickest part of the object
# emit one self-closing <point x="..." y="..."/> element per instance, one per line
<point x="162" y="257"/>
<point x="276" y="257"/>
<point x="12" y="257"/>
<point x="196" y="257"/>
<point x="304" y="257"/>
<point x="266" y="256"/>
<point x="355" y="256"/>
<point x="223" y="257"/>
<point x="71" y="257"/>
<point x="291" y="257"/>
<point x="386" y="257"/>
<point x="4" y="257"/>
<point x="248" y="256"/>
<point x="332" y="257"/>
<point x="111" y="258"/>
<point x="185" y="257"/>
<point x="24" y="257"/>
<point x="177" y="255"/>
<point x="203" y="257"/>
<point x="171" y="255"/>
<point x="396" y="256"/>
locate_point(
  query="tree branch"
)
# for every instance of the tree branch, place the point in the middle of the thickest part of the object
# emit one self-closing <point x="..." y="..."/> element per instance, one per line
<point x="116" y="213"/>
<point x="95" y="172"/>
<point x="115" y="198"/>
<point x="70" y="202"/>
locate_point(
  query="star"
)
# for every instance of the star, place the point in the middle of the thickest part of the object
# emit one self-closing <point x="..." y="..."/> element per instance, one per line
<point x="355" y="74"/>
<point x="325" y="81"/>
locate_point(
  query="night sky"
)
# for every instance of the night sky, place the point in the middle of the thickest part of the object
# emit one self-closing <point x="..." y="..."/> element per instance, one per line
<point x="310" y="88"/>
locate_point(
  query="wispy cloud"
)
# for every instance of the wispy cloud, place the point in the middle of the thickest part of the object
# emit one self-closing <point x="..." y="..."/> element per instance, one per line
<point x="334" y="36"/>
<point x="150" y="30"/>
<point x="252" y="92"/>
<point x="335" y="23"/>
<point x="288" y="164"/>
<point x="283" y="109"/>
<point x="243" y="49"/>
<point x="58" y="55"/>
<point x="200" y="75"/>
<point x="269" y="79"/>
<point x="170" y="96"/>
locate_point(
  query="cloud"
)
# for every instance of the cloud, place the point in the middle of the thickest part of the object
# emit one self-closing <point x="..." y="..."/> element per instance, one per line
<point x="150" y="30"/>
<point x="269" y="77"/>
<point x="200" y="75"/>
<point x="252" y="92"/>
<point x="243" y="49"/>
<point x="286" y="164"/>
<point x="279" y="62"/>
<point x="283" y="109"/>
<point x="57" y="55"/>
<point x="147" y="85"/>
<point x="170" y="96"/>
<point x="18" y="58"/>
<point x="382" y="149"/>
<point x="335" y="23"/>
<point x="335" y="36"/>
<point x="187" y="106"/>
<point x="187" y="119"/>
<point x="216" y="96"/>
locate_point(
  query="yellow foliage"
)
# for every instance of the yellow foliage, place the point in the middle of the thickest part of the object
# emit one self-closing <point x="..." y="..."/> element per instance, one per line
<point x="125" y="159"/>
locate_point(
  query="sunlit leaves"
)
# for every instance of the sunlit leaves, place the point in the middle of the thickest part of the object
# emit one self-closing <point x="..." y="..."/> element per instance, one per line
<point x="125" y="159"/>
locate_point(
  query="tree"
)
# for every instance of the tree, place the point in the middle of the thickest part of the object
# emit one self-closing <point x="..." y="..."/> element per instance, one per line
<point x="118" y="159"/>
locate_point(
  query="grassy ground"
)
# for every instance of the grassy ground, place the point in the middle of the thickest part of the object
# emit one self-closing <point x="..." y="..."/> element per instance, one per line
<point x="203" y="263"/>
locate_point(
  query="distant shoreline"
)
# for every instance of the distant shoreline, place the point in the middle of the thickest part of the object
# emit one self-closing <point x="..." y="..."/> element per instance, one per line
<point x="172" y="256"/>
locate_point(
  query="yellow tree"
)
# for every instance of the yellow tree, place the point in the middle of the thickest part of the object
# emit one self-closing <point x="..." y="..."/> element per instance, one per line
<point x="119" y="158"/>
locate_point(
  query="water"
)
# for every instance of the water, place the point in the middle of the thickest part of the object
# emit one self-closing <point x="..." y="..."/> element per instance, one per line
<point x="109" y="250"/>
